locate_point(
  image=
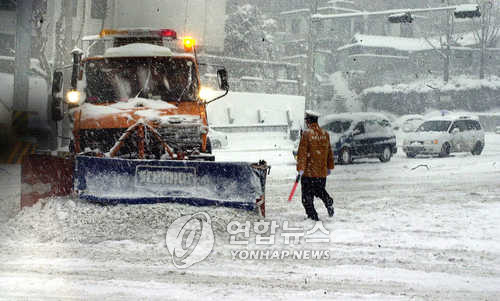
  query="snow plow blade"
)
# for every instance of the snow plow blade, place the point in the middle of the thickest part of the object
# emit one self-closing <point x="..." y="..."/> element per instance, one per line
<point x="45" y="176"/>
<point x="199" y="183"/>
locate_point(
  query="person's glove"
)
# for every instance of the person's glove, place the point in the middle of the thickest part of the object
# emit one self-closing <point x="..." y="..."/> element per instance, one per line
<point x="329" y="172"/>
<point x="301" y="172"/>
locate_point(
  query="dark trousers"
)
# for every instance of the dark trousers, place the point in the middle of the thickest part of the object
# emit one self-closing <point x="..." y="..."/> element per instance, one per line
<point x="314" y="187"/>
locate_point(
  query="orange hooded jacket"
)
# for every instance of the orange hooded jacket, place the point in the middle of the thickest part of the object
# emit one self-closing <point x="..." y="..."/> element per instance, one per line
<point x="315" y="154"/>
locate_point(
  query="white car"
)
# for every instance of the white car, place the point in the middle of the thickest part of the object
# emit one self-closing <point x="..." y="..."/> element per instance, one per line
<point x="444" y="135"/>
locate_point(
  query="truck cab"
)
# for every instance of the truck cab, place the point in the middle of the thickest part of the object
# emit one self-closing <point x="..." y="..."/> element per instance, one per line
<point x="138" y="76"/>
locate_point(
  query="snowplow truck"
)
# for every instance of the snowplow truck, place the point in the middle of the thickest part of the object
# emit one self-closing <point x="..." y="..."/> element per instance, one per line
<point x="139" y="129"/>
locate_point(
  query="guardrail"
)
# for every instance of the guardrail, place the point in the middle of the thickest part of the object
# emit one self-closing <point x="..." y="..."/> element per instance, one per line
<point x="251" y="128"/>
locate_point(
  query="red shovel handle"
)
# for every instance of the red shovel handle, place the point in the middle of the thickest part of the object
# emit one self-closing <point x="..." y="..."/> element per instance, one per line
<point x="294" y="188"/>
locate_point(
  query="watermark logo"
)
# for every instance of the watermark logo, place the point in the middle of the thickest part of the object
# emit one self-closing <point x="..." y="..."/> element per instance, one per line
<point x="190" y="239"/>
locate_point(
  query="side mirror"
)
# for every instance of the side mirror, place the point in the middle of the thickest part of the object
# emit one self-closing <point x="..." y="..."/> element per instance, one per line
<point x="56" y="99"/>
<point x="77" y="57"/>
<point x="222" y="78"/>
<point x="57" y="82"/>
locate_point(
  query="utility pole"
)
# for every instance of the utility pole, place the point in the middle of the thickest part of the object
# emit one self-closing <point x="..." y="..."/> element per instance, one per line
<point x="24" y="27"/>
<point x="311" y="40"/>
<point x="449" y="29"/>
<point x="485" y="20"/>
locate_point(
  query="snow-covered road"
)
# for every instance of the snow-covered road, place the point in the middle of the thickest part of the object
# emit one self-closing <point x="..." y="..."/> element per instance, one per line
<point x="409" y="229"/>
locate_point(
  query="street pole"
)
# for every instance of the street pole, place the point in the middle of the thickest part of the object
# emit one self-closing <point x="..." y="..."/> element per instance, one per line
<point x="446" y="73"/>
<point x="311" y="40"/>
<point x="23" y="54"/>
<point x="483" y="37"/>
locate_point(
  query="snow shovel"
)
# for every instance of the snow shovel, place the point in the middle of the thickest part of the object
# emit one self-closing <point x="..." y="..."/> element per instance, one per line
<point x="294" y="188"/>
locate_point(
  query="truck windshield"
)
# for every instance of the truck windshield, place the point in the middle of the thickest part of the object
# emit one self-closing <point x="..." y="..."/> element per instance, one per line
<point x="119" y="79"/>
<point x="434" y="126"/>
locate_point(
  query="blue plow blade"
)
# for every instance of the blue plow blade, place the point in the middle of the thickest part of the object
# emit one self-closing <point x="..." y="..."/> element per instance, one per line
<point x="199" y="183"/>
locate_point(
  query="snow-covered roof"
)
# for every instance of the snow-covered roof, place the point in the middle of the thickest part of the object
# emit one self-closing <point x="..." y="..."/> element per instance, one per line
<point x="397" y="43"/>
<point x="296" y="11"/>
<point x="138" y="50"/>
<point x="338" y="8"/>
<point x="456" y="83"/>
<point x="366" y="14"/>
<point x="451" y="116"/>
<point x="355" y="116"/>
<point x="466" y="8"/>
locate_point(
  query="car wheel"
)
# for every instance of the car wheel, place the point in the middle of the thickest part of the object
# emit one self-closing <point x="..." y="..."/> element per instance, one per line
<point x="445" y="150"/>
<point x="345" y="156"/>
<point x="411" y="155"/>
<point x="478" y="149"/>
<point x="386" y="154"/>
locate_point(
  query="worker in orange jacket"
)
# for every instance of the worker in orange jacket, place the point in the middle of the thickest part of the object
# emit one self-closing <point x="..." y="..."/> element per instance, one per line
<point x="314" y="164"/>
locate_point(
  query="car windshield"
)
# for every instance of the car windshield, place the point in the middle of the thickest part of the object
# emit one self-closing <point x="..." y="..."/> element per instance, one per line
<point x="118" y="79"/>
<point x="338" y="126"/>
<point x="434" y="126"/>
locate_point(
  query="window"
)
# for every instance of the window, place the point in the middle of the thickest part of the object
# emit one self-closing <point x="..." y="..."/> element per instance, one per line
<point x="460" y="124"/>
<point x="360" y="128"/>
<point x="7" y="5"/>
<point x="75" y="8"/>
<point x="473" y="125"/>
<point x="374" y="126"/>
<point x="434" y="126"/>
<point x="338" y="127"/>
<point x="7" y="44"/>
<point x="98" y="9"/>
<point x="295" y="26"/>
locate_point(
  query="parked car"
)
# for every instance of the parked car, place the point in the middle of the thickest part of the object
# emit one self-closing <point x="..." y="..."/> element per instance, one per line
<point x="359" y="135"/>
<point x="217" y="139"/>
<point x="446" y="134"/>
<point x="408" y="123"/>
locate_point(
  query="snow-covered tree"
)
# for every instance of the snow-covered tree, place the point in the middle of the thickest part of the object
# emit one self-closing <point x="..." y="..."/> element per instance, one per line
<point x="249" y="34"/>
<point x="487" y="29"/>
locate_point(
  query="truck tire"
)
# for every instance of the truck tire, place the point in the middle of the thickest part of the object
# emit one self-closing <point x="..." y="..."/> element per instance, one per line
<point x="208" y="149"/>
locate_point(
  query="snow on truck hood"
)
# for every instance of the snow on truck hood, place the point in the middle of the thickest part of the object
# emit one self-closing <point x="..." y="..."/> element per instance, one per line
<point x="149" y="109"/>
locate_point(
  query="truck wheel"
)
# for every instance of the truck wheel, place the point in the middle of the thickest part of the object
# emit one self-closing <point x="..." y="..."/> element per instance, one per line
<point x="445" y="150"/>
<point x="209" y="146"/>
<point x="478" y="149"/>
<point x="386" y="154"/>
<point x="345" y="156"/>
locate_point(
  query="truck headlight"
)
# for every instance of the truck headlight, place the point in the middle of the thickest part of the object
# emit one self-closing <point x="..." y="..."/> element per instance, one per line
<point x="207" y="93"/>
<point x="73" y="97"/>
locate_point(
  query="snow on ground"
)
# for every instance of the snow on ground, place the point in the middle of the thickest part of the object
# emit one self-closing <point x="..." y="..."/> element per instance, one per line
<point x="410" y="229"/>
